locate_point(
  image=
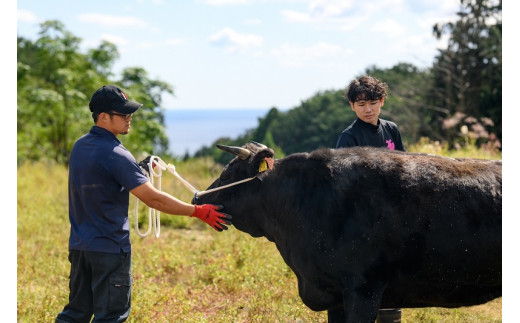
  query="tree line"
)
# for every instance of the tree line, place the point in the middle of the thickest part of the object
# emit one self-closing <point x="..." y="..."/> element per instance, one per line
<point x="458" y="98"/>
<point x="55" y="82"/>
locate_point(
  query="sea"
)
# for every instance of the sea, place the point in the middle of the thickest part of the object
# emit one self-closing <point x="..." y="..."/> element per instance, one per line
<point x="189" y="130"/>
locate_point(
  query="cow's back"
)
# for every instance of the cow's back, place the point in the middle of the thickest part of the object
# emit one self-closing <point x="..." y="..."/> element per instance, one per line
<point x="435" y="224"/>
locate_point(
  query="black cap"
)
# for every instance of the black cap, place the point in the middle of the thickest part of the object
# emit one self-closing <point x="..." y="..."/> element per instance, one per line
<point x="112" y="98"/>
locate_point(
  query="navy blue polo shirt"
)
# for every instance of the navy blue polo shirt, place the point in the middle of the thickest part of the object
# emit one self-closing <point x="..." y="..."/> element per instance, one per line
<point x="101" y="174"/>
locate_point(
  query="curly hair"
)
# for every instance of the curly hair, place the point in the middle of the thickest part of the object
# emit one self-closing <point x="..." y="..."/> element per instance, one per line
<point x="366" y="88"/>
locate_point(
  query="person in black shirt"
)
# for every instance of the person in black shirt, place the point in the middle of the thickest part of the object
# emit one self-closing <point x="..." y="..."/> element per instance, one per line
<point x="366" y="97"/>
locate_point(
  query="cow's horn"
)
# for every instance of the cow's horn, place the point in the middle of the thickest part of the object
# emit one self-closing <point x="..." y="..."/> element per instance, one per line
<point x="242" y="153"/>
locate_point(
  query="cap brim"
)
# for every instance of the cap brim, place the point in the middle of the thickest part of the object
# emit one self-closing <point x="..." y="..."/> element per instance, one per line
<point x="128" y="107"/>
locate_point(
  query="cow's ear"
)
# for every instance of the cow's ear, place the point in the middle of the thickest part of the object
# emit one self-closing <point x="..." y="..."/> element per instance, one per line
<point x="264" y="167"/>
<point x="263" y="162"/>
<point x="266" y="164"/>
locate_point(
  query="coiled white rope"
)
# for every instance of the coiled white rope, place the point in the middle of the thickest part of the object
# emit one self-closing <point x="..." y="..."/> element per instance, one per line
<point x="154" y="216"/>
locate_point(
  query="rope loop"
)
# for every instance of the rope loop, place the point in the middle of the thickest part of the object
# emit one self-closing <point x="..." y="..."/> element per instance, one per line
<point x="156" y="167"/>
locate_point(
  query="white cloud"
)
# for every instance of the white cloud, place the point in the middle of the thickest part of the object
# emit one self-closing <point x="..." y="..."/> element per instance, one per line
<point x="112" y="21"/>
<point x="353" y="23"/>
<point x="416" y="49"/>
<point x="225" y="2"/>
<point x="233" y="41"/>
<point x="294" y="56"/>
<point x="252" y="22"/>
<point x="124" y="44"/>
<point x="167" y="42"/>
<point x="116" y="40"/>
<point x="384" y="6"/>
<point x="322" y="11"/>
<point x="155" y="2"/>
<point x="173" y="41"/>
<point x="26" y="16"/>
<point x="390" y="28"/>
<point x="295" y="16"/>
<point x="344" y="14"/>
<point x="448" y="6"/>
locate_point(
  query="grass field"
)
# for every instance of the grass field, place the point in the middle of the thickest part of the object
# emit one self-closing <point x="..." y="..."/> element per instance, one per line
<point x="190" y="274"/>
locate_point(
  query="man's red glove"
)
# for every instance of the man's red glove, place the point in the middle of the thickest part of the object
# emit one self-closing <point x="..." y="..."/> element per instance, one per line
<point x="208" y="213"/>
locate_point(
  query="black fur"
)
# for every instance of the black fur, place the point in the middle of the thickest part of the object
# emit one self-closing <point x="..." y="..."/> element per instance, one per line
<point x="367" y="228"/>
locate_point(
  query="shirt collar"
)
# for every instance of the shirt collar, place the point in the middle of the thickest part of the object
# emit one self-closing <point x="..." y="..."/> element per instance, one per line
<point x="369" y="125"/>
<point x="103" y="132"/>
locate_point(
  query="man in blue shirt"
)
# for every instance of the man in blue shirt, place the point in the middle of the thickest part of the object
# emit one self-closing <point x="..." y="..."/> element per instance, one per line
<point x="102" y="173"/>
<point x="366" y="97"/>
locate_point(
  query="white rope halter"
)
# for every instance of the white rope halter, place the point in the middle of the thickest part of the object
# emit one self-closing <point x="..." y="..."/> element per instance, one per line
<point x="154" y="216"/>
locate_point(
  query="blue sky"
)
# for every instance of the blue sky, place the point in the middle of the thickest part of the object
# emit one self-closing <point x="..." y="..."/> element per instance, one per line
<point x="250" y="53"/>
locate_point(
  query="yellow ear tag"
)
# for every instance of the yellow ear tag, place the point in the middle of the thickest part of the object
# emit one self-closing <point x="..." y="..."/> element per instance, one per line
<point x="263" y="166"/>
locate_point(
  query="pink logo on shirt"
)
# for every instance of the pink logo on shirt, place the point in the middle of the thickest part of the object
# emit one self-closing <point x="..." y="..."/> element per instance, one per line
<point x="390" y="144"/>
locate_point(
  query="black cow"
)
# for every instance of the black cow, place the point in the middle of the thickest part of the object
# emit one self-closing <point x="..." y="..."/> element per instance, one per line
<point x="367" y="228"/>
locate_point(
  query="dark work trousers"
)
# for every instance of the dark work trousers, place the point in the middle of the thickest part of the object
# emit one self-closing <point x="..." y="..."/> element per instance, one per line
<point x="100" y="285"/>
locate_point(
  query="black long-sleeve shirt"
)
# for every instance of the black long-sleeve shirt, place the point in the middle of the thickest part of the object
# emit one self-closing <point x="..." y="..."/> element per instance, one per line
<point x="360" y="133"/>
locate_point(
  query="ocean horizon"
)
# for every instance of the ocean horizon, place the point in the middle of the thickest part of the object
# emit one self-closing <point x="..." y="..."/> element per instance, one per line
<point x="189" y="130"/>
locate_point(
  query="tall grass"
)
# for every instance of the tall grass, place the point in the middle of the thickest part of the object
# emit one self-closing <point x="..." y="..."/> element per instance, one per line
<point x="190" y="274"/>
<point x="469" y="150"/>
